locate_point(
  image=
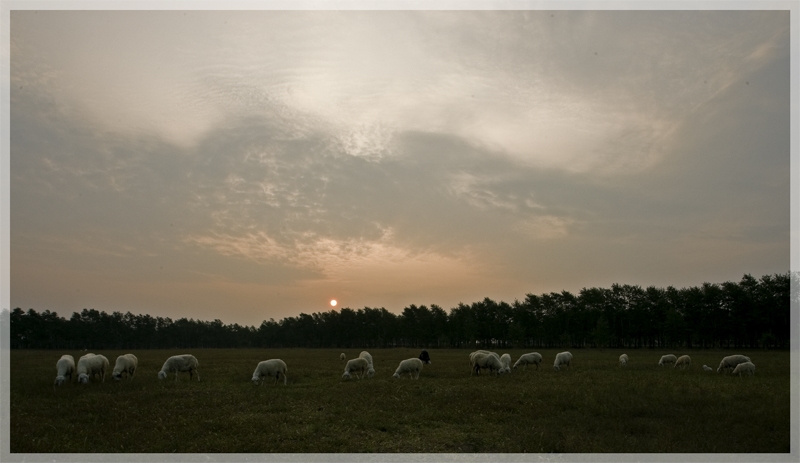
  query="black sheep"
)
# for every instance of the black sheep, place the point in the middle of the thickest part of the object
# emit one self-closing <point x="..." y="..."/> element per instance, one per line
<point x="425" y="357"/>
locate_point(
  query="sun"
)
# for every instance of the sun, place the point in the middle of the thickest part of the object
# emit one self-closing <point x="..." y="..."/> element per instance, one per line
<point x="333" y="302"/>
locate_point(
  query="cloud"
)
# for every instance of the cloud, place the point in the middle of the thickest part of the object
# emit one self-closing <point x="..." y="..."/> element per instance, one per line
<point x="417" y="155"/>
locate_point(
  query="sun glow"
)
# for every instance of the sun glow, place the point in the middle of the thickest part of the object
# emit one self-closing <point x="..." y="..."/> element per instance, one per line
<point x="333" y="303"/>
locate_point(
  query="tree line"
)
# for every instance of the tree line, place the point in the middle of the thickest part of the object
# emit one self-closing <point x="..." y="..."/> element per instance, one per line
<point x="751" y="313"/>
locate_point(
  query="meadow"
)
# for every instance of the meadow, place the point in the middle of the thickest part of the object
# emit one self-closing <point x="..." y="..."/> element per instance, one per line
<point x="595" y="406"/>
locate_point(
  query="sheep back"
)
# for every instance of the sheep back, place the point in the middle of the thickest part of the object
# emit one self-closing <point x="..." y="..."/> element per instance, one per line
<point x="529" y="358"/>
<point x="488" y="360"/>
<point x="665" y="359"/>
<point x="270" y="368"/>
<point x="410" y="366"/>
<point x="354" y="366"/>
<point x="90" y="365"/>
<point x="683" y="361"/>
<point x="64" y="368"/>
<point x="745" y="367"/>
<point x="178" y="364"/>
<point x="126" y="363"/>
<point x="562" y="358"/>
<point x="731" y="361"/>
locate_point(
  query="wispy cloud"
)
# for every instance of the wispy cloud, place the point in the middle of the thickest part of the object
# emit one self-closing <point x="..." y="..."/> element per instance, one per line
<point x="280" y="156"/>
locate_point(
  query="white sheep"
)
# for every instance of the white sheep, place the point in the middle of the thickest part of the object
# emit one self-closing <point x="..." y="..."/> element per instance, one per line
<point x="410" y="366"/>
<point x="125" y="364"/>
<point x="342" y="357"/>
<point x="505" y="359"/>
<point x="563" y="358"/>
<point x="180" y="363"/>
<point x="90" y="365"/>
<point x="746" y="367"/>
<point x="623" y="360"/>
<point x="731" y="361"/>
<point x="488" y="360"/>
<point x="268" y="369"/>
<point x="370" y="369"/>
<point x="707" y="368"/>
<point x="64" y="368"/>
<point x="476" y="353"/>
<point x="669" y="358"/>
<point x="355" y="365"/>
<point x="683" y="361"/>
<point x="534" y="358"/>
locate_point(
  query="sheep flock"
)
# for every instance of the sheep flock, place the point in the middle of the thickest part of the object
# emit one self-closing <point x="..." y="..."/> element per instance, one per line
<point x="91" y="366"/>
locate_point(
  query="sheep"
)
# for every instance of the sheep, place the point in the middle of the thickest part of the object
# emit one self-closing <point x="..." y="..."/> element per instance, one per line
<point x="64" y="368"/>
<point x="623" y="360"/>
<point x="731" y="362"/>
<point x="342" y="357"/>
<point x="410" y="366"/>
<point x="683" y="362"/>
<point x="474" y="354"/>
<point x="707" y="368"/>
<point x="424" y="356"/>
<point x="746" y="367"/>
<point x="354" y="366"/>
<point x="370" y="369"/>
<point x="125" y="364"/>
<point x="472" y="357"/>
<point x="268" y="369"/>
<point x="505" y="359"/>
<point x="488" y="360"/>
<point x="530" y="358"/>
<point x="669" y="358"/>
<point x="179" y="363"/>
<point x="563" y="358"/>
<point x="91" y="364"/>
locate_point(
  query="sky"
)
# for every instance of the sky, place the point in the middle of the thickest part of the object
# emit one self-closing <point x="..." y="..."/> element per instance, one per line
<point x="248" y="165"/>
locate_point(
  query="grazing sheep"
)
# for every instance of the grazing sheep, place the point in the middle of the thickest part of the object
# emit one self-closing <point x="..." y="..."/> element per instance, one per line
<point x="268" y="369"/>
<point x="64" y="368"/>
<point x="476" y="353"/>
<point x="90" y="365"/>
<point x="669" y="358"/>
<point x="731" y="361"/>
<point x="563" y="358"/>
<point x="623" y="360"/>
<point x="424" y="356"/>
<point x="488" y="360"/>
<point x="179" y="363"/>
<point x="534" y="358"/>
<point x="342" y="357"/>
<point x="125" y="364"/>
<point x="355" y="365"/>
<point x="410" y="366"/>
<point x="746" y="367"/>
<point x="683" y="362"/>
<point x="370" y="369"/>
<point x="505" y="359"/>
<point x="707" y="368"/>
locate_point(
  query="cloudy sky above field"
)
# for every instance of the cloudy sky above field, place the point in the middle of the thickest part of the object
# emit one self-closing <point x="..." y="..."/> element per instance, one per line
<point x="255" y="165"/>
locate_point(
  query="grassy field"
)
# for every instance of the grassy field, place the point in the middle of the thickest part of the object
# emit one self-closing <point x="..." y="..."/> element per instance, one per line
<point x="593" y="407"/>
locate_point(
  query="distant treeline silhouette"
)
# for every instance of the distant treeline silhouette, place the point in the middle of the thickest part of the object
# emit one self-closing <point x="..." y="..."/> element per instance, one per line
<point x="749" y="314"/>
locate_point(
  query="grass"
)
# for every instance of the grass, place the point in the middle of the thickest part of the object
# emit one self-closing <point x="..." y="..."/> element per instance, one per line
<point x="595" y="406"/>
